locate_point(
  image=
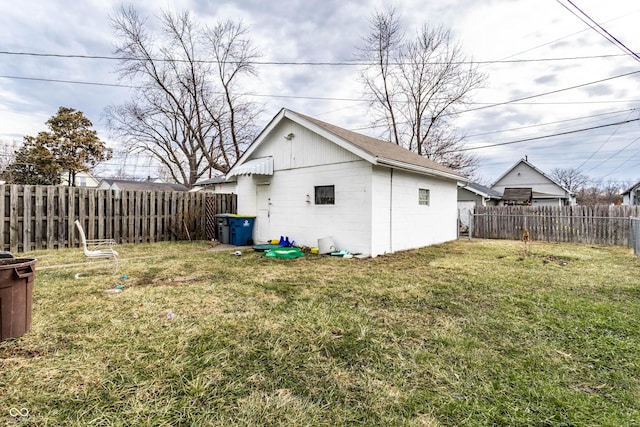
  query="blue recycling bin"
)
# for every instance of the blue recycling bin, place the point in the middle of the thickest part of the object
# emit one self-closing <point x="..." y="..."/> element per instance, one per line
<point x="241" y="229"/>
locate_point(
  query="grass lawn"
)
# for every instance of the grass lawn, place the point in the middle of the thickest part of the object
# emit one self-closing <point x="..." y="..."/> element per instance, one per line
<point x="468" y="333"/>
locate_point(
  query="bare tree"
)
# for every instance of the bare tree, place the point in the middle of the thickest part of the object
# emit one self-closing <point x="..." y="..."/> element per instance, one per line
<point x="612" y="192"/>
<point x="600" y="193"/>
<point x="7" y="157"/>
<point x="379" y="78"/>
<point x="187" y="111"/>
<point x="417" y="88"/>
<point x="569" y="178"/>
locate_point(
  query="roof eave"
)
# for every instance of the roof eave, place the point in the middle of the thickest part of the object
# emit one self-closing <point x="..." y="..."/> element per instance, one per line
<point x="419" y="169"/>
<point x="479" y="192"/>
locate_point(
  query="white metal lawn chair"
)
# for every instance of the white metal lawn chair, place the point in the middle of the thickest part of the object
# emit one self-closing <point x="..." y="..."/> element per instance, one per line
<point x="98" y="248"/>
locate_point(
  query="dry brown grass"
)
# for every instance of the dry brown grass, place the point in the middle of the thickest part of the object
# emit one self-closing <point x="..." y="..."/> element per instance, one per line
<point x="466" y="333"/>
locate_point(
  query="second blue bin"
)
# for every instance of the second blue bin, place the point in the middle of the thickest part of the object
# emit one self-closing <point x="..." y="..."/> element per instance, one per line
<point x="241" y="229"/>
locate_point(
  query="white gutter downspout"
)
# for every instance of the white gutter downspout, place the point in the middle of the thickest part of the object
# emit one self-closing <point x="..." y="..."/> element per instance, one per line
<point x="391" y="211"/>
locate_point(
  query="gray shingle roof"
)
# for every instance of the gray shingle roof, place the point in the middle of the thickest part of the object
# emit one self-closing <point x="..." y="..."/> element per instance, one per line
<point x="144" y="185"/>
<point x="381" y="149"/>
<point x="481" y="189"/>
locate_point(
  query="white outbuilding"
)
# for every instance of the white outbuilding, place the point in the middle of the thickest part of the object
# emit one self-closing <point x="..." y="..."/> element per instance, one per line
<point x="310" y="180"/>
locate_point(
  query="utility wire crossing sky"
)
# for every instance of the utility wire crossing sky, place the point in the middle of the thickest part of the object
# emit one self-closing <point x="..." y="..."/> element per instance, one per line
<point x="562" y="75"/>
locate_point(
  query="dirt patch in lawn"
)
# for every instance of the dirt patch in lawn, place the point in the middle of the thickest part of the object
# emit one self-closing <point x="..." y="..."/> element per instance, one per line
<point x="546" y="259"/>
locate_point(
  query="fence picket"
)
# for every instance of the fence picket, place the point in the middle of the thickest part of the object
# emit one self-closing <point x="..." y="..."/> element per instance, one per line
<point x="609" y="225"/>
<point x="42" y="217"/>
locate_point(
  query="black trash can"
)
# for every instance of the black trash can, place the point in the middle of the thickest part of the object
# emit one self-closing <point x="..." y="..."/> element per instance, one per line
<point x="16" y="289"/>
<point x="222" y="226"/>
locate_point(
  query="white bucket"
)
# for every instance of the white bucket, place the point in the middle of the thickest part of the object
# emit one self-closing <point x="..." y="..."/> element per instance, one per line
<point x="326" y="245"/>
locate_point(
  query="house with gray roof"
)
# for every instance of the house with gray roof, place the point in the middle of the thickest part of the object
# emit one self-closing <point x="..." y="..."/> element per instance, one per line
<point x="470" y="195"/>
<point x="311" y="181"/>
<point x="631" y="196"/>
<point x="524" y="184"/>
<point x="216" y="185"/>
<point x="129" y="185"/>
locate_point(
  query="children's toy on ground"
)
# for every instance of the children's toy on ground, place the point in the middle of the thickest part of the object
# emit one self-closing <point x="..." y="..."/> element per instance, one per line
<point x="286" y="253"/>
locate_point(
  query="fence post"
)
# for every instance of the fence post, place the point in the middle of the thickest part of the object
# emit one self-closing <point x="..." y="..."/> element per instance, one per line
<point x="486" y="225"/>
<point x="634" y="231"/>
<point x="38" y="217"/>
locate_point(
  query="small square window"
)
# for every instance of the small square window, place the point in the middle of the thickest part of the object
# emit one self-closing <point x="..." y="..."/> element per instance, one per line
<point x="423" y="196"/>
<point x="325" y="195"/>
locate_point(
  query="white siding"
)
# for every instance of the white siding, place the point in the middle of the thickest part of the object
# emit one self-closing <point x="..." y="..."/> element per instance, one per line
<point x="631" y="196"/>
<point x="221" y="188"/>
<point x="376" y="210"/>
<point x="83" y="179"/>
<point x="246" y="188"/>
<point x="524" y="176"/>
<point x="293" y="213"/>
<point x="382" y="212"/>
<point x="546" y="202"/>
<point x="305" y="149"/>
<point x="415" y="225"/>
<point x="465" y="195"/>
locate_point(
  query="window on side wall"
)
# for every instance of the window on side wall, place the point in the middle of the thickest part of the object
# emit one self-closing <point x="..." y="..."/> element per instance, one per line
<point x="325" y="195"/>
<point x="423" y="197"/>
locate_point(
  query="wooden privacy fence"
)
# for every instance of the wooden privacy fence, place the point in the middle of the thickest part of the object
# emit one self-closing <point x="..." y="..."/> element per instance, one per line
<point x="42" y="217"/>
<point x="609" y="225"/>
<point x="222" y="203"/>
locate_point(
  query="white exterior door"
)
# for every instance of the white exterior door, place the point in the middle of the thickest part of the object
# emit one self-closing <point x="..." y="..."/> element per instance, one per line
<point x="263" y="202"/>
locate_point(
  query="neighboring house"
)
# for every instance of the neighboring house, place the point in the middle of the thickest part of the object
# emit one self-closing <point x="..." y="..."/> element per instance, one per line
<point x="82" y="179"/>
<point x="123" y="184"/>
<point x="631" y="197"/>
<point x="310" y="180"/>
<point x="217" y="185"/>
<point x="471" y="195"/>
<point x="524" y="184"/>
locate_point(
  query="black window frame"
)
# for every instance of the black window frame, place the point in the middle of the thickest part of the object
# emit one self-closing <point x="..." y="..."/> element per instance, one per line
<point x="428" y="198"/>
<point x="324" y="199"/>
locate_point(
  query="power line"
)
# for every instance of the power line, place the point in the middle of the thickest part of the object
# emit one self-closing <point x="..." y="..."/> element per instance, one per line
<point x="613" y="155"/>
<point x="549" y="123"/>
<point x="601" y="30"/>
<point x="484" y="106"/>
<point x="600" y="147"/>
<point x="77" y="82"/>
<point x="542" y="137"/>
<point x="550" y="92"/>
<point x="567" y="36"/>
<point x="295" y="63"/>
<point x="517" y="100"/>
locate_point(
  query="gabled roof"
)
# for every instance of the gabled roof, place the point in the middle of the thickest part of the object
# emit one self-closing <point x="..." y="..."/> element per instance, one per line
<point x="481" y="190"/>
<point x="123" y="184"/>
<point x="630" y="189"/>
<point x="213" y="181"/>
<point x="535" y="169"/>
<point x="373" y="150"/>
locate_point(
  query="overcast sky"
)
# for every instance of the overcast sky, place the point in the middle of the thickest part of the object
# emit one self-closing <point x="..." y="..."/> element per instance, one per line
<point x="531" y="50"/>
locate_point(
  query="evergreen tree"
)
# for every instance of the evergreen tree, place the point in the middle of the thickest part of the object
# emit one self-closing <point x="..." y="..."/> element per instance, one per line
<point x="70" y="145"/>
